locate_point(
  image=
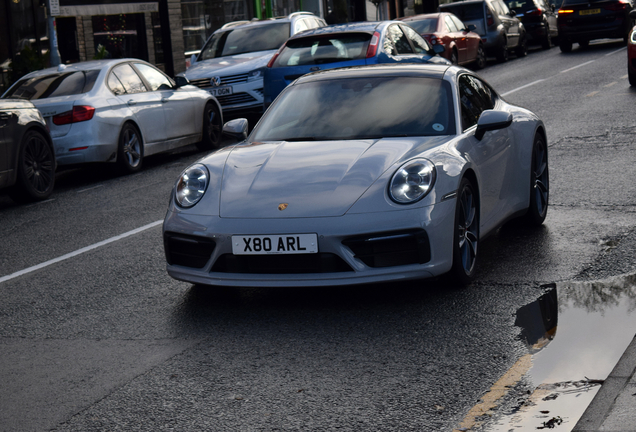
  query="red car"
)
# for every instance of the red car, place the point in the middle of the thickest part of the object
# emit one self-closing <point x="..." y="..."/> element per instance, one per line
<point x="631" y="52"/>
<point x="462" y="45"/>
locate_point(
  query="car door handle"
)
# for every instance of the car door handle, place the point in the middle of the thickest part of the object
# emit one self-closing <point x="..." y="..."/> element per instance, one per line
<point x="132" y="102"/>
<point x="164" y="100"/>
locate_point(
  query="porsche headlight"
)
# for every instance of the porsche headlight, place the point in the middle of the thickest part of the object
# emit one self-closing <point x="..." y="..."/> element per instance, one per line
<point x="192" y="185"/>
<point x="412" y="181"/>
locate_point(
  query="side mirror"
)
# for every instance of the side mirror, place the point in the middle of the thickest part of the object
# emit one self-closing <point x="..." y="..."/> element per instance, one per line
<point x="236" y="129"/>
<point x="439" y="49"/>
<point x="193" y="59"/>
<point x="181" y="81"/>
<point x="513" y="13"/>
<point x="632" y="14"/>
<point x="490" y="120"/>
<point x="471" y="27"/>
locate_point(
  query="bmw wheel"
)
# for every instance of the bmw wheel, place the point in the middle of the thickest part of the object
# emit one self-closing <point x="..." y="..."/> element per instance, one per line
<point x="130" y="152"/>
<point x="212" y="127"/>
<point x="539" y="183"/>
<point x="36" y="169"/>
<point x="466" y="235"/>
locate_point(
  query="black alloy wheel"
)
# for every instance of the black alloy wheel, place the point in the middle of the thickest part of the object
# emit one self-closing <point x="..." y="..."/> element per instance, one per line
<point x="565" y="46"/>
<point x="503" y="55"/>
<point x="466" y="235"/>
<point x="539" y="184"/>
<point x="130" y="151"/>
<point x="522" y="48"/>
<point x="212" y="128"/>
<point x="480" y="63"/>
<point x="547" y="42"/>
<point x="36" y="169"/>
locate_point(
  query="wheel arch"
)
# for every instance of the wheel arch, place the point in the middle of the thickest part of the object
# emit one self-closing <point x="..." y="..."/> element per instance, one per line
<point x="34" y="126"/>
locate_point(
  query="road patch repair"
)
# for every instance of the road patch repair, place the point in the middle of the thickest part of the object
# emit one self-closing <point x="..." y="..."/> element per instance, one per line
<point x="578" y="335"/>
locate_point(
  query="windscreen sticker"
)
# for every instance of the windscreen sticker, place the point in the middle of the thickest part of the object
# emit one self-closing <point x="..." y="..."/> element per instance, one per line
<point x="438" y="127"/>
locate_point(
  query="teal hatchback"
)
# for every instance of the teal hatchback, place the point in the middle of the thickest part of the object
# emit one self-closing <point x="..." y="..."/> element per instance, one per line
<point x="344" y="45"/>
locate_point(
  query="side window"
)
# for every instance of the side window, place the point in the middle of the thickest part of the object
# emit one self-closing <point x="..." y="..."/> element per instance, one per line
<point x="419" y="43"/>
<point x="450" y="25"/>
<point x="156" y="79"/>
<point x="503" y="7"/>
<point x="460" y="25"/>
<point x="129" y="79"/>
<point x="115" y="85"/>
<point x="475" y="97"/>
<point x="399" y="39"/>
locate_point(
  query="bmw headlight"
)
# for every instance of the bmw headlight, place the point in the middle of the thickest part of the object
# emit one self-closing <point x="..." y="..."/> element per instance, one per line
<point x="192" y="185"/>
<point x="412" y="181"/>
<point x="255" y="74"/>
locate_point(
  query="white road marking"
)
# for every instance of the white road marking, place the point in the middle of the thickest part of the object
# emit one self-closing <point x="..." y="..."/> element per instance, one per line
<point x="576" y="67"/>
<point x="610" y="84"/>
<point x="614" y="52"/>
<point x="522" y="87"/>
<point x="80" y="251"/>
<point x="592" y="94"/>
<point x="90" y="188"/>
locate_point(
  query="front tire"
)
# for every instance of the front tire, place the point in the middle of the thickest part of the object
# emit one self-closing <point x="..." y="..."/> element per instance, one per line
<point x="522" y="48"/>
<point x="466" y="234"/>
<point x="503" y="55"/>
<point x="539" y="184"/>
<point x="130" y="150"/>
<point x="212" y="127"/>
<point x="632" y="78"/>
<point x="565" y="46"/>
<point x="480" y="63"/>
<point x="35" y="170"/>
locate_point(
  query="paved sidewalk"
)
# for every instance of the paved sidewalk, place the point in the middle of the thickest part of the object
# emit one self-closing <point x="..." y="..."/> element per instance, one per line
<point x="613" y="409"/>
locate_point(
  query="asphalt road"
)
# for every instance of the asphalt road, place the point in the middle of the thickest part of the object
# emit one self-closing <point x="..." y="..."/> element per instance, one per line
<point x="106" y="340"/>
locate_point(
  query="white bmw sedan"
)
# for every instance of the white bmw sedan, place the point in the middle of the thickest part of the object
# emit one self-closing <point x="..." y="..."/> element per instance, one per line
<point x="119" y="111"/>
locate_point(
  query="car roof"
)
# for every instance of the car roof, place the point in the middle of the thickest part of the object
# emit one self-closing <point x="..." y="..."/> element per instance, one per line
<point x="82" y="66"/>
<point x="359" y="27"/>
<point x="423" y="16"/>
<point x="264" y="22"/>
<point x="391" y="69"/>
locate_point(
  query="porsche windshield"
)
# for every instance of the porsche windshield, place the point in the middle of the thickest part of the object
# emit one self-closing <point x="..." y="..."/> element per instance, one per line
<point x="241" y="40"/>
<point x="360" y="108"/>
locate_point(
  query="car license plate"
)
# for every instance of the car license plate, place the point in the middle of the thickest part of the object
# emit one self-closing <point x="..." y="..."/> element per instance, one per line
<point x="275" y="244"/>
<point x="590" y="12"/>
<point x="221" y="91"/>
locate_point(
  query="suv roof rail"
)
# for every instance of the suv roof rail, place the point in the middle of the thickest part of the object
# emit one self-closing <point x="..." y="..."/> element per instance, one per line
<point x="234" y="24"/>
<point x="299" y="13"/>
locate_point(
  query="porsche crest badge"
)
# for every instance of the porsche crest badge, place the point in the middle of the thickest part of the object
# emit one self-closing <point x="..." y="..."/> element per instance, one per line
<point x="282" y="206"/>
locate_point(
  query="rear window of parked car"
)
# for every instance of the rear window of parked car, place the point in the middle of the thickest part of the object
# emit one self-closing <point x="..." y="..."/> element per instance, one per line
<point x="428" y="25"/>
<point x="243" y="40"/>
<point x="321" y="49"/>
<point x="53" y="85"/>
<point x="466" y="12"/>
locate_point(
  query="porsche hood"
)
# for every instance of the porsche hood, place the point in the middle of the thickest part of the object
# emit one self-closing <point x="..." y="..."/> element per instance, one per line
<point x="307" y="179"/>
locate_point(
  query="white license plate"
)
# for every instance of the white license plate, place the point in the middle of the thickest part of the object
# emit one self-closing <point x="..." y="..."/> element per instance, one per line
<point x="590" y="12"/>
<point x="275" y="244"/>
<point x="221" y="91"/>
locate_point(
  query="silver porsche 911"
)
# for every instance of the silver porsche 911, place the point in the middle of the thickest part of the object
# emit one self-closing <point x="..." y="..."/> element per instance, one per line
<point x="360" y="175"/>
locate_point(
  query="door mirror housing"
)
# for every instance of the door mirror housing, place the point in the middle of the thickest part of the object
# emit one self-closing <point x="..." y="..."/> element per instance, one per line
<point x="471" y="27"/>
<point x="490" y="120"/>
<point x="236" y="129"/>
<point x="181" y="81"/>
<point x="439" y="49"/>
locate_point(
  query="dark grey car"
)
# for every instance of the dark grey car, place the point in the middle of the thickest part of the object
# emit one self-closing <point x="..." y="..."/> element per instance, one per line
<point x="27" y="159"/>
<point x="499" y="28"/>
<point x="539" y="17"/>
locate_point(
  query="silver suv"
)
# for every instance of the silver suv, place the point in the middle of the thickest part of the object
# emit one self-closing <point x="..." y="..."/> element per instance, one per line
<point x="498" y="26"/>
<point x="231" y="63"/>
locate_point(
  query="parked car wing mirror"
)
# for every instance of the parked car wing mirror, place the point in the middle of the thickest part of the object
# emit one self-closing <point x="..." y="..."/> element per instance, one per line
<point x="236" y="129"/>
<point x="439" y="49"/>
<point x="513" y="13"/>
<point x="193" y="59"/>
<point x="471" y="27"/>
<point x="181" y="81"/>
<point x="490" y="120"/>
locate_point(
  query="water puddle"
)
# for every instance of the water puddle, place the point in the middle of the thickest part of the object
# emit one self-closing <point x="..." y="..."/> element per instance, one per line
<point x="575" y="332"/>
